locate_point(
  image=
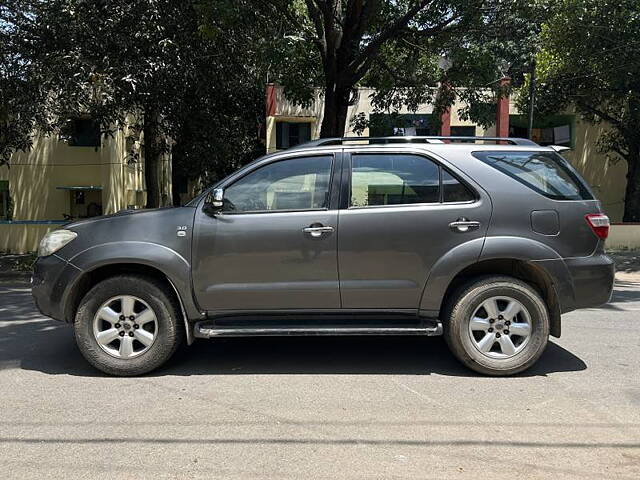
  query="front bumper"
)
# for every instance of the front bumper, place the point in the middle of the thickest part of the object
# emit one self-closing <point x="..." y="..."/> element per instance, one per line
<point x="52" y="275"/>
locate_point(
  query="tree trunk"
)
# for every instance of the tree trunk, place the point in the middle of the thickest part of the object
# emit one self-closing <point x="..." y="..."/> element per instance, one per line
<point x="632" y="193"/>
<point x="336" y="104"/>
<point x="151" y="157"/>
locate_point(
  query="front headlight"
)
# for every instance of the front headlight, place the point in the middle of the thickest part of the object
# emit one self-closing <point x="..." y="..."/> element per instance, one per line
<point x="54" y="241"/>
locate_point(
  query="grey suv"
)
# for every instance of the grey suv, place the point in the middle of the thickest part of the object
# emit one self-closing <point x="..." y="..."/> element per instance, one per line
<point x="485" y="240"/>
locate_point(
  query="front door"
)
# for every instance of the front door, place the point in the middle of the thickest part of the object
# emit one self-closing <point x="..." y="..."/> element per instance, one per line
<point x="274" y="245"/>
<point x="400" y="218"/>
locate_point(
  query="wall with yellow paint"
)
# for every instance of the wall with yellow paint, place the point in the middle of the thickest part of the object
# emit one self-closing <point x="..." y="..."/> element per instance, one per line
<point x="34" y="177"/>
<point x="606" y="175"/>
<point x="20" y="238"/>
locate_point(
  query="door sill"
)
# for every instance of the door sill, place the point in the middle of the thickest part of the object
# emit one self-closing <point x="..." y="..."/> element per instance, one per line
<point x="207" y="329"/>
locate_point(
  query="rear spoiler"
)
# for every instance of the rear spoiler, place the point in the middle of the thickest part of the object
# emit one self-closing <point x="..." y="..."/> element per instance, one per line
<point x="559" y="148"/>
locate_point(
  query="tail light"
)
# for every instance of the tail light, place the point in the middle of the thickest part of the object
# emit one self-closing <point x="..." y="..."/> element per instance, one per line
<point x="599" y="223"/>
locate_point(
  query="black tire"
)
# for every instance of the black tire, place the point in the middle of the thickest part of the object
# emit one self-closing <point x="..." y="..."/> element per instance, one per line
<point x="464" y="302"/>
<point x="168" y="336"/>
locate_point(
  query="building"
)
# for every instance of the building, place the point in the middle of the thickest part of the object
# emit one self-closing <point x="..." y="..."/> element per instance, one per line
<point x="81" y="175"/>
<point x="288" y="124"/>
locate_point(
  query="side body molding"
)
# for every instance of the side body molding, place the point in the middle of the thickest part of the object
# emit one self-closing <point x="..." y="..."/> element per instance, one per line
<point x="173" y="265"/>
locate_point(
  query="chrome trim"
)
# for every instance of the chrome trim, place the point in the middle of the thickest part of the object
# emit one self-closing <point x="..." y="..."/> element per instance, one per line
<point x="464" y="225"/>
<point x="202" y="331"/>
<point x="317" y="231"/>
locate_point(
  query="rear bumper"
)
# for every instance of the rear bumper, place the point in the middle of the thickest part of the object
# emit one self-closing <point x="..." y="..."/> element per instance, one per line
<point x="592" y="279"/>
<point x="52" y="276"/>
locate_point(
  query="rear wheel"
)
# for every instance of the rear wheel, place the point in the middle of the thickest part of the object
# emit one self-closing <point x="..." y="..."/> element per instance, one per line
<point x="497" y="325"/>
<point x="128" y="325"/>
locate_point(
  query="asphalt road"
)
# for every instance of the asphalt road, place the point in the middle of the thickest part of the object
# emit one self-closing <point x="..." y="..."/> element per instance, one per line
<point x="300" y="408"/>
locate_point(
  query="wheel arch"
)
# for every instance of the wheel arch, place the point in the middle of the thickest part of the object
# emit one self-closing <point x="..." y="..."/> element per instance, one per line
<point x="528" y="260"/>
<point x="154" y="261"/>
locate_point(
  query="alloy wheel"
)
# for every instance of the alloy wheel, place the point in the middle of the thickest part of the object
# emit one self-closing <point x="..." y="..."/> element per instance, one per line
<point x="125" y="326"/>
<point x="500" y="327"/>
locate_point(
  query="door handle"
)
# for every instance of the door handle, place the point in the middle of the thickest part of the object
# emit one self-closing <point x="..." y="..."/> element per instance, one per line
<point x="463" y="225"/>
<point x="317" y="231"/>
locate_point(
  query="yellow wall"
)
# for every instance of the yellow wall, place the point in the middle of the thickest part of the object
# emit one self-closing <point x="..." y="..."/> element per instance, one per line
<point x="34" y="175"/>
<point x="607" y="177"/>
<point x="19" y="238"/>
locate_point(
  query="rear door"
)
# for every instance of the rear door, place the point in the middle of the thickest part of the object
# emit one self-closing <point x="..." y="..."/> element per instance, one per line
<point x="400" y="213"/>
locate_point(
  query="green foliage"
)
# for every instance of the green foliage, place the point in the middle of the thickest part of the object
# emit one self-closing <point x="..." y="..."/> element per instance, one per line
<point x="395" y="47"/>
<point x="111" y="59"/>
<point x="589" y="60"/>
<point x="21" y="98"/>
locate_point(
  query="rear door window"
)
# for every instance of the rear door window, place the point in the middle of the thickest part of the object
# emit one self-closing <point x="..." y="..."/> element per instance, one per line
<point x="545" y="172"/>
<point x="395" y="179"/>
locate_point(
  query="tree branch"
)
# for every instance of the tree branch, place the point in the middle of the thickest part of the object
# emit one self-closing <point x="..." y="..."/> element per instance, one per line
<point x="603" y="115"/>
<point x="316" y="18"/>
<point x="374" y="46"/>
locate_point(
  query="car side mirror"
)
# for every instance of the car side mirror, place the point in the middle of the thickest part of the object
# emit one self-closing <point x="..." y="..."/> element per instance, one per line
<point x="214" y="202"/>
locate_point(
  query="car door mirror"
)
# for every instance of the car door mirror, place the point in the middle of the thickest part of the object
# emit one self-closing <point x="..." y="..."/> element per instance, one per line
<point x="214" y="202"/>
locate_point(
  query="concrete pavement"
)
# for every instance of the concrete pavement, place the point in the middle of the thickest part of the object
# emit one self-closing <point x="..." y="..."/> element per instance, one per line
<point x="298" y="408"/>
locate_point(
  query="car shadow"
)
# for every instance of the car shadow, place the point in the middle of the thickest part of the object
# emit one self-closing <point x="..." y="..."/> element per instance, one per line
<point x="32" y="342"/>
<point x="48" y="346"/>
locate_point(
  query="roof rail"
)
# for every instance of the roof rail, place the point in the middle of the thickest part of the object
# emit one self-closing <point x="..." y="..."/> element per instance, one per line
<point x="411" y="139"/>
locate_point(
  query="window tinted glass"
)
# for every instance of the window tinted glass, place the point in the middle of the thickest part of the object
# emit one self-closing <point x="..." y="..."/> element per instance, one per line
<point x="393" y="180"/>
<point x="453" y="190"/>
<point x="545" y="172"/>
<point x="289" y="134"/>
<point x="295" y="184"/>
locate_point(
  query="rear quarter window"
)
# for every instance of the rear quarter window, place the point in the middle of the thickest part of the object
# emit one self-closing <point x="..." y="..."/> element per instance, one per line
<point x="545" y="172"/>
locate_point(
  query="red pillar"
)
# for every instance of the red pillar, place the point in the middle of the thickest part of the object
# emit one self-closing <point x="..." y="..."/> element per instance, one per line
<point x="271" y="103"/>
<point x="502" y="112"/>
<point x="445" y="123"/>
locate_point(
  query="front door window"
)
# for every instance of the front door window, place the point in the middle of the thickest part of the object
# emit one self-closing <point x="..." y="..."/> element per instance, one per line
<point x="296" y="184"/>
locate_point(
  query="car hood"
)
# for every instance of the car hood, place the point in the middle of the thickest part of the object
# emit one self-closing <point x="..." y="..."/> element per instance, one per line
<point x="121" y="213"/>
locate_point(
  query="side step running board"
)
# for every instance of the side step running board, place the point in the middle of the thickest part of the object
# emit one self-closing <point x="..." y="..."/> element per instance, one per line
<point x="207" y="330"/>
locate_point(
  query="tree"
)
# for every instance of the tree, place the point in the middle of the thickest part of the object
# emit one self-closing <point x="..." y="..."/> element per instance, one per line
<point x="21" y="99"/>
<point x="589" y="60"/>
<point x="111" y="59"/>
<point x="396" y="47"/>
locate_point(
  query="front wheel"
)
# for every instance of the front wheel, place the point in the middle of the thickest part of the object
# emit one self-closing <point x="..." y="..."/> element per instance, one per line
<point x="128" y="325"/>
<point x="497" y="325"/>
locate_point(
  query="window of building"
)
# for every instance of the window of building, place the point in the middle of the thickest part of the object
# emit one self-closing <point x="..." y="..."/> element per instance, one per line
<point x="550" y="130"/>
<point x="294" y="184"/>
<point x="464" y="131"/>
<point x="4" y="199"/>
<point x="289" y="134"/>
<point x="384" y="125"/>
<point x="82" y="132"/>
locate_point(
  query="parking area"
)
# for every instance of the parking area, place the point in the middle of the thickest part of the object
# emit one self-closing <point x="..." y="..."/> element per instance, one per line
<point x="297" y="408"/>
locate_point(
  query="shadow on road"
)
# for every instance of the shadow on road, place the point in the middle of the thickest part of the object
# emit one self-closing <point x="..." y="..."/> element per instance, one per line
<point x="29" y="342"/>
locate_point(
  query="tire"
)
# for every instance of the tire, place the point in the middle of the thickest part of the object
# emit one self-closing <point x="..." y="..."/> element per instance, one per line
<point x="154" y="320"/>
<point x="474" y="325"/>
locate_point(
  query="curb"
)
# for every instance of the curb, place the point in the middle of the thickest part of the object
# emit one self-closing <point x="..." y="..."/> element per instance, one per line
<point x="15" y="277"/>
